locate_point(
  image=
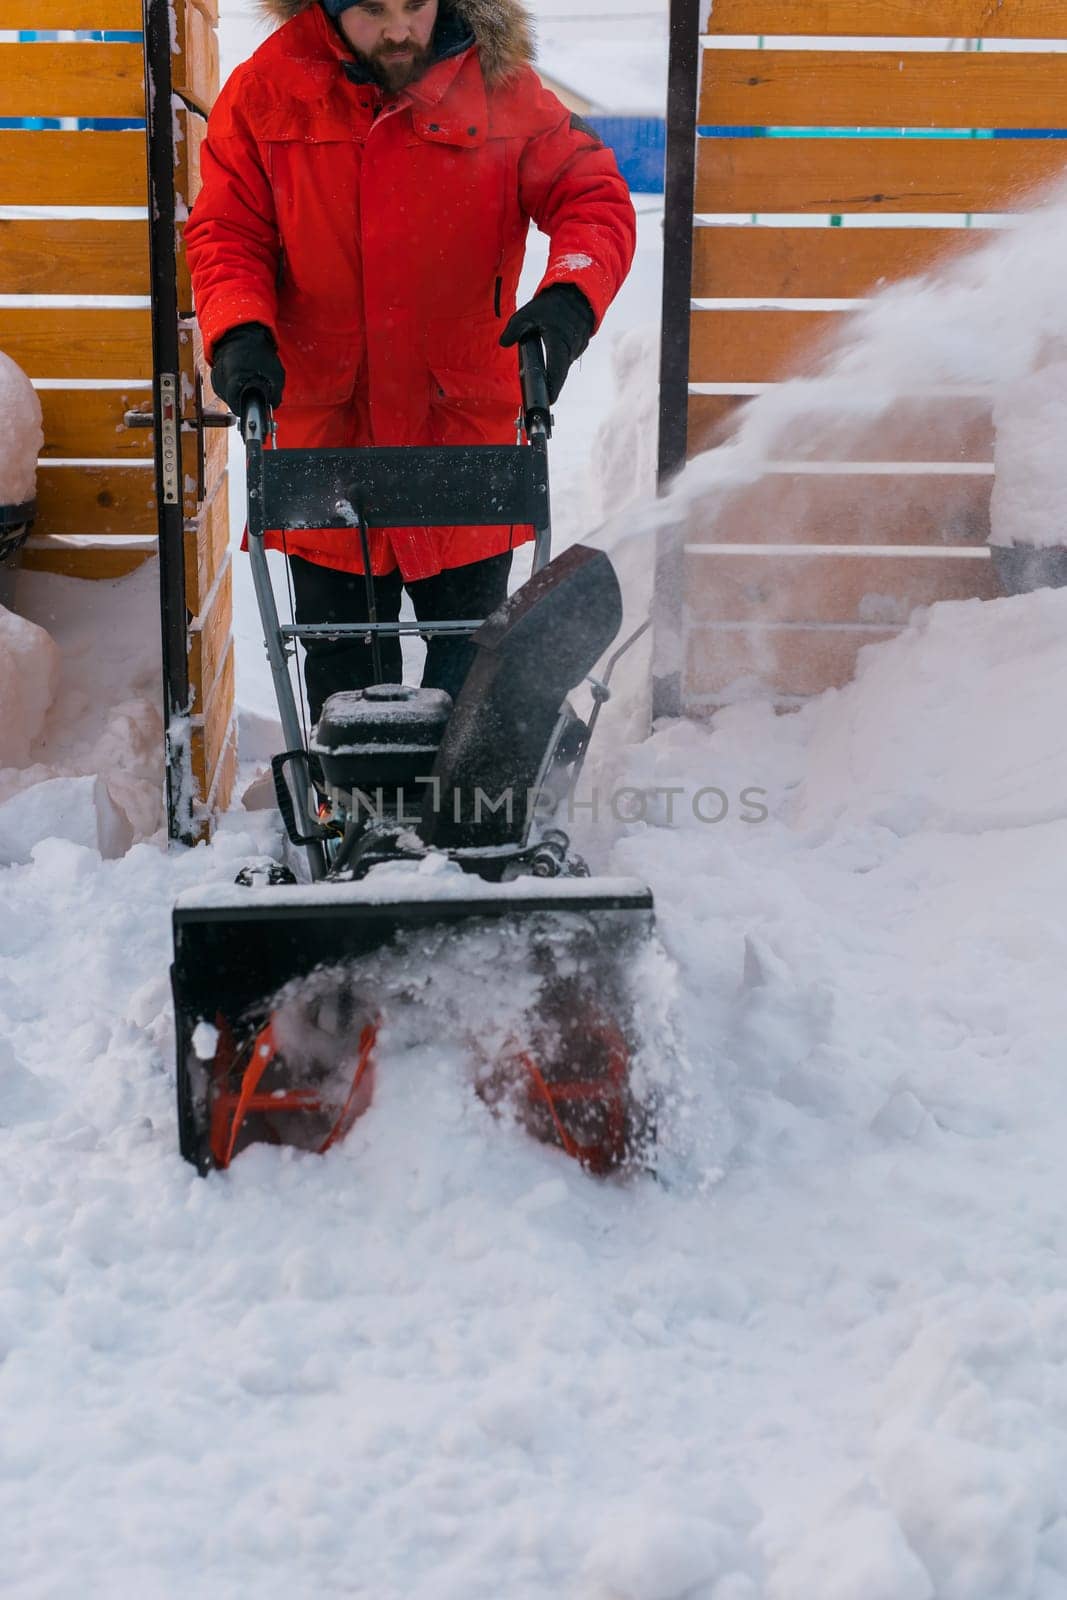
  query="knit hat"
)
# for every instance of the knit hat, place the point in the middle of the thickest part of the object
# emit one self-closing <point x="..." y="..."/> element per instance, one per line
<point x="333" y="8"/>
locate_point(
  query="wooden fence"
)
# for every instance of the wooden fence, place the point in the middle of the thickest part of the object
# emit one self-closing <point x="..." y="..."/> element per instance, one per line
<point x="81" y="162"/>
<point x="896" y="513"/>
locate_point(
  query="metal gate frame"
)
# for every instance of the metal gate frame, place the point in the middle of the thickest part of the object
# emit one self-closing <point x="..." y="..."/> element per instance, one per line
<point x="682" y="79"/>
<point x="167" y="410"/>
<point x="683" y="74"/>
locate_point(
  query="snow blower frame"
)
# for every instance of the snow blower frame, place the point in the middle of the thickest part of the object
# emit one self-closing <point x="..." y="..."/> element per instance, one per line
<point x="445" y="780"/>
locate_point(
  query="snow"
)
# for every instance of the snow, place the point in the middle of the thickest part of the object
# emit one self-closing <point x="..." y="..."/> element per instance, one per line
<point x="824" y="1357"/>
<point x="1030" y="418"/>
<point x="96" y="676"/>
<point x="29" y="673"/>
<point x="964" y="782"/>
<point x="80" y="810"/>
<point x="432" y="879"/>
<point x="612" y="53"/>
<point x="574" y="263"/>
<point x="21" y="435"/>
<point x="961" y="332"/>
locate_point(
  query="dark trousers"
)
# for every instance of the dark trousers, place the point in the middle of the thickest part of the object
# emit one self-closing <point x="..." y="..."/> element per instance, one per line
<point x="322" y="594"/>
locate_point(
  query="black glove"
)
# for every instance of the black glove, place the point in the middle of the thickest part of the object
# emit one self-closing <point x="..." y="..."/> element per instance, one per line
<point x="564" y="318"/>
<point x="246" y="358"/>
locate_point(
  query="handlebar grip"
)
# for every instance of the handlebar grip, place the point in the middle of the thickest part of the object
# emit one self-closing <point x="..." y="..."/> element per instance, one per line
<point x="536" y="406"/>
<point x="255" y="416"/>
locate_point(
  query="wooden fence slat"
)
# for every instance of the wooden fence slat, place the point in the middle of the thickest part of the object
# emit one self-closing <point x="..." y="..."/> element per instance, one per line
<point x="209" y="635"/>
<point x="711" y="420"/>
<point x="123" y="16"/>
<point x="846" y="509"/>
<point x="96" y="500"/>
<point x="723" y="587"/>
<point x="82" y="561"/>
<point x="872" y="175"/>
<point x="784" y="662"/>
<point x="207" y="538"/>
<point x="220" y="794"/>
<point x="212" y="726"/>
<point x="72" y="80"/>
<point x="59" y="343"/>
<point x="819" y="262"/>
<point x="216" y="457"/>
<point x="191" y="359"/>
<point x="758" y="346"/>
<point x="195" y="65"/>
<point x="940" y="19"/>
<point x="60" y="168"/>
<point x="883" y="88"/>
<point x="184" y="277"/>
<point x="959" y="429"/>
<point x="190" y="128"/>
<point x="88" y="256"/>
<point x="89" y="422"/>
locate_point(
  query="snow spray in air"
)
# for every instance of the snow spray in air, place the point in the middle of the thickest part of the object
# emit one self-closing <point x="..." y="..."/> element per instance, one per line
<point x="911" y="377"/>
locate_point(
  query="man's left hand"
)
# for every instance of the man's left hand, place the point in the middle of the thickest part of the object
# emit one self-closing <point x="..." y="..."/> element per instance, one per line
<point x="564" y="318"/>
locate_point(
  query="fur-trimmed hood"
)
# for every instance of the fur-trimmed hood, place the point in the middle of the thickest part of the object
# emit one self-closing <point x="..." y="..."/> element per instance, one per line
<point x="502" y="29"/>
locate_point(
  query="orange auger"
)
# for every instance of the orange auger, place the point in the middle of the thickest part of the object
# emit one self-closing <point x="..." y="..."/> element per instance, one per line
<point x="574" y="1092"/>
<point x="231" y="1107"/>
<point x="596" y="1106"/>
<point x="567" y="1074"/>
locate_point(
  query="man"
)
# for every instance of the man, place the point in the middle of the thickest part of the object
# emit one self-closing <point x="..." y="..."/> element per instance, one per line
<point x="369" y="176"/>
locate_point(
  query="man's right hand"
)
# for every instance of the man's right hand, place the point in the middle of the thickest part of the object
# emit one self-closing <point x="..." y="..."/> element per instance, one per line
<point x="246" y="358"/>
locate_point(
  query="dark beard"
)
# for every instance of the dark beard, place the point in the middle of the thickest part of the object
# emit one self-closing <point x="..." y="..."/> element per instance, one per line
<point x="378" y="67"/>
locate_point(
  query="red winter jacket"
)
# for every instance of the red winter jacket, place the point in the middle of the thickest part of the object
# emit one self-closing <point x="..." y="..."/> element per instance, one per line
<point x="380" y="237"/>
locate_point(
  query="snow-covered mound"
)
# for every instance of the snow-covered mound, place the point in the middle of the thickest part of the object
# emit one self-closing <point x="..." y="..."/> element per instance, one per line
<point x="81" y="734"/>
<point x="823" y="1357"/>
<point x="946" y="728"/>
<point x="29" y="674"/>
<point x="21" y="434"/>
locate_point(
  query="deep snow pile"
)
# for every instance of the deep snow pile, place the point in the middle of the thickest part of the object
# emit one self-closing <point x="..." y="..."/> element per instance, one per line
<point x="21" y="434"/>
<point x="80" y="726"/>
<point x="825" y="1359"/>
<point x="29" y="673"/>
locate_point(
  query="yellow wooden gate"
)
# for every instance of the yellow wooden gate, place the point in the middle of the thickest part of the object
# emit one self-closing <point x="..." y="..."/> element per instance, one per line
<point x="76" y="316"/>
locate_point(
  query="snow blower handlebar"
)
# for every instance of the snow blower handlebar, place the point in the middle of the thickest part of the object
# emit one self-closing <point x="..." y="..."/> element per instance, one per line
<point x="410" y="485"/>
<point x="355" y="490"/>
<point x="537" y="421"/>
<point x="536" y="406"/>
<point x="255" y="418"/>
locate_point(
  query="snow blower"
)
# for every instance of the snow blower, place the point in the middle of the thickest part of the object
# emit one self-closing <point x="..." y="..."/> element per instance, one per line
<point x="435" y="875"/>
